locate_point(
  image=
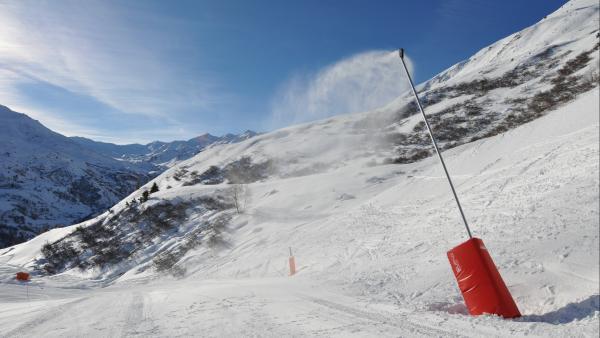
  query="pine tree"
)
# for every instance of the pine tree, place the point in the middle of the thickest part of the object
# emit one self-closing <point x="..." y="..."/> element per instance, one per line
<point x="154" y="188"/>
<point x="145" y="196"/>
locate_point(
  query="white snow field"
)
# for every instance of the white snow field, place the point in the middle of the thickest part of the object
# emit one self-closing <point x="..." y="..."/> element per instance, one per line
<point x="369" y="238"/>
<point x="370" y="263"/>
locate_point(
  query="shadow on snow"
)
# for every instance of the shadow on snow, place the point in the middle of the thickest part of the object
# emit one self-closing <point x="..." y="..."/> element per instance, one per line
<point x="567" y="313"/>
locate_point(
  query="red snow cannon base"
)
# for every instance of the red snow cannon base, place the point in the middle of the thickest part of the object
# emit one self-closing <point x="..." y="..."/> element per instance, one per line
<point x="480" y="282"/>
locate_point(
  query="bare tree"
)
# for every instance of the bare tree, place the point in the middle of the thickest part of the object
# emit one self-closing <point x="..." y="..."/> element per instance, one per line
<point x="240" y="194"/>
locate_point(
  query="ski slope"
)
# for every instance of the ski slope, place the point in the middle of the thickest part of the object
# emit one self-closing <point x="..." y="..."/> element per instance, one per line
<point x="370" y="252"/>
<point x="370" y="238"/>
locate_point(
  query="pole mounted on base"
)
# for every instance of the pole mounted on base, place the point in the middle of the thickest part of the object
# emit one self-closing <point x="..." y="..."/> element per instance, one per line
<point x="437" y="150"/>
<point x="292" y="263"/>
<point x="478" y="279"/>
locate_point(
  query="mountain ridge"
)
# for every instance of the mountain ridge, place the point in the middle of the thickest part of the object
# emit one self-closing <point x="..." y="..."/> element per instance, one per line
<point x="159" y="153"/>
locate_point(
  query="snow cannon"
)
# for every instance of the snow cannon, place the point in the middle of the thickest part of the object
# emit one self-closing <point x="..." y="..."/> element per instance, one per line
<point x="292" y="262"/>
<point x="478" y="278"/>
<point x="22" y="276"/>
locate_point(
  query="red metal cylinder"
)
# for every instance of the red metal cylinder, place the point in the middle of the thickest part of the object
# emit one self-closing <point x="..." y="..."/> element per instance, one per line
<point x="480" y="282"/>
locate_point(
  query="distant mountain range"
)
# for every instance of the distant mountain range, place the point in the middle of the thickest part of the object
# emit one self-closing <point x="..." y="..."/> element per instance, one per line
<point x="49" y="180"/>
<point x="159" y="154"/>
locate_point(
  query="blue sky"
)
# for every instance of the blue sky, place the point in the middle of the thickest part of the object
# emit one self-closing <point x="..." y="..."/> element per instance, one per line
<point x="137" y="71"/>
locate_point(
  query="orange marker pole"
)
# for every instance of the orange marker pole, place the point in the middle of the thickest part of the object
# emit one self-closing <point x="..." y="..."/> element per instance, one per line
<point x="292" y="264"/>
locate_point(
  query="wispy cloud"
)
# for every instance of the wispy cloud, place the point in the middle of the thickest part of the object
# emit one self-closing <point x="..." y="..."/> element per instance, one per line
<point x="122" y="58"/>
<point x="358" y="83"/>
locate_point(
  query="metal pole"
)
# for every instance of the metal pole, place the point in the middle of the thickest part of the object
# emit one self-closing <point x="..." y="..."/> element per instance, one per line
<point x="437" y="150"/>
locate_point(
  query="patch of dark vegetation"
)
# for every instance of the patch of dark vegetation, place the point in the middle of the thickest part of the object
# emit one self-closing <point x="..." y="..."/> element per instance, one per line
<point x="575" y="64"/>
<point x="566" y="87"/>
<point x="522" y="73"/>
<point x="165" y="262"/>
<point x="180" y="173"/>
<point x="215" y="231"/>
<point x="108" y="255"/>
<point x="419" y="127"/>
<point x="213" y="175"/>
<point x="59" y="255"/>
<point x="121" y="235"/>
<point x="95" y="245"/>
<point x="161" y="217"/>
<point x="472" y="109"/>
<point x="241" y="171"/>
<point x="534" y="67"/>
<point x="210" y="232"/>
<point x="407" y="110"/>
<point x="407" y="139"/>
<point x="451" y="128"/>
<point x="409" y="156"/>
<point x="245" y="171"/>
<point x="469" y="121"/>
<point x="215" y="203"/>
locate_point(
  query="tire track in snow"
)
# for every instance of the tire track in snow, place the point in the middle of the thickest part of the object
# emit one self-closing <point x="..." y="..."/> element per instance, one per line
<point x="138" y="320"/>
<point x="400" y="321"/>
<point x="48" y="315"/>
<point x="133" y="315"/>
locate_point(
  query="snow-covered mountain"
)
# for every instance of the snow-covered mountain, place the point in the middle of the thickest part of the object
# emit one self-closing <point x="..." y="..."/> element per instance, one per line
<point x="367" y="212"/>
<point x="47" y="180"/>
<point x="161" y="155"/>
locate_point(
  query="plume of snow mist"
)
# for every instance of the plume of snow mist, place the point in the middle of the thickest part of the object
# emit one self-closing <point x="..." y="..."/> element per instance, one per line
<point x="362" y="82"/>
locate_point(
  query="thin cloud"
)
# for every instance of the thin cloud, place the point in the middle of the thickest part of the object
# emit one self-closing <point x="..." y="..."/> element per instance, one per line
<point x="119" y="56"/>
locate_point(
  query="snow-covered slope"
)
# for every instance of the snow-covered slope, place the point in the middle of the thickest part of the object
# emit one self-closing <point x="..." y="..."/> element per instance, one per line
<point x="367" y="213"/>
<point x="47" y="180"/>
<point x="572" y="28"/>
<point x="370" y="246"/>
<point x="161" y="155"/>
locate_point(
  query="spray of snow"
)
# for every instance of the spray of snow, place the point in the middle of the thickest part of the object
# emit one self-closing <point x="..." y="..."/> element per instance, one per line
<point x="362" y="82"/>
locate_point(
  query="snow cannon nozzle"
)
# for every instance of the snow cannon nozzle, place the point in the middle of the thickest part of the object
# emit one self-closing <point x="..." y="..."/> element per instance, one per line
<point x="401" y="53"/>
